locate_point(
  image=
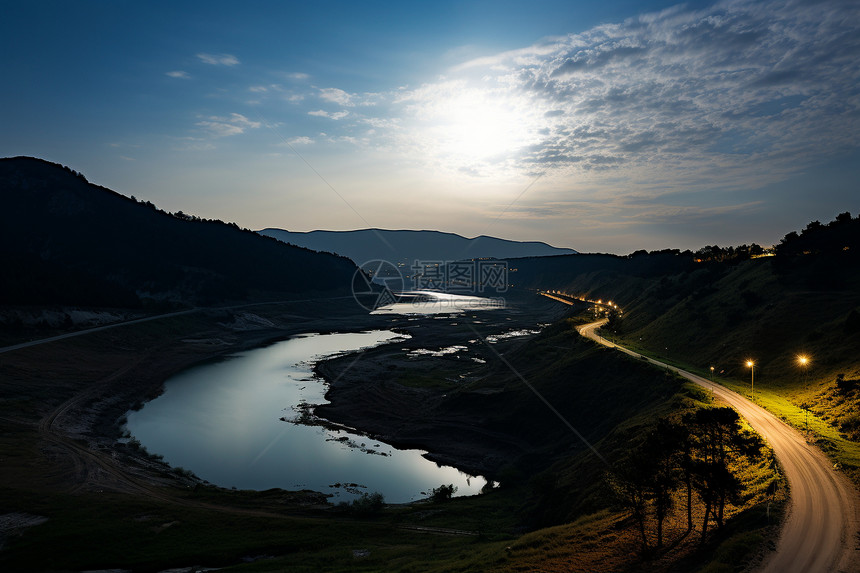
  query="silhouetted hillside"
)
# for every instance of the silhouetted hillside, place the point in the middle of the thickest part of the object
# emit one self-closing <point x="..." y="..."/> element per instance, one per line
<point x="408" y="246"/>
<point x="709" y="308"/>
<point x="66" y="241"/>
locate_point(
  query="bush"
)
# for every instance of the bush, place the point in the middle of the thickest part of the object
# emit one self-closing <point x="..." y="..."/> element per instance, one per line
<point x="443" y="492"/>
<point x="368" y="504"/>
<point x="844" y="385"/>
<point x="182" y="472"/>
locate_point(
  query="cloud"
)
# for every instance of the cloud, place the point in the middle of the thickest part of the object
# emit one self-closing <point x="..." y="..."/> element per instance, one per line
<point x="192" y="144"/>
<point x="337" y="96"/>
<point x="178" y="74"/>
<point x="335" y="116"/>
<point x="381" y="122"/>
<point x="235" y="124"/>
<point x="741" y="93"/>
<point x="597" y="57"/>
<point x="218" y="59"/>
<point x="702" y="102"/>
<point x="303" y="140"/>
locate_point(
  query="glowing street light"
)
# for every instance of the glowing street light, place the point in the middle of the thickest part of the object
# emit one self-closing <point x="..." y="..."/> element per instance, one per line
<point x="751" y="366"/>
<point x="803" y="361"/>
<point x="713" y="394"/>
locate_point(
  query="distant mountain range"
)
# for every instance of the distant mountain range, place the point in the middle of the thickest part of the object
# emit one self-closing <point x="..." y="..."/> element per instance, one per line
<point x="64" y="241"/>
<point x="405" y="247"/>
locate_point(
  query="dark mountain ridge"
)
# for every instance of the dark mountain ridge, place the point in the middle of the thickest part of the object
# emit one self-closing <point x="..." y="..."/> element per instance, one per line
<point x="407" y="246"/>
<point x="64" y="240"/>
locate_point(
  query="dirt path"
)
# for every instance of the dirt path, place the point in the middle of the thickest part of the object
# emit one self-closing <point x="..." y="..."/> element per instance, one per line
<point x="156" y="317"/>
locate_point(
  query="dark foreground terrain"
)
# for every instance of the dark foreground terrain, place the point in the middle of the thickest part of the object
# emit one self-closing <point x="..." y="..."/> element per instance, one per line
<point x="73" y="496"/>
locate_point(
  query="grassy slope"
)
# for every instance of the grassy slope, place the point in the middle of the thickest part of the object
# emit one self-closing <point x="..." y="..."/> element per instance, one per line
<point x="724" y="316"/>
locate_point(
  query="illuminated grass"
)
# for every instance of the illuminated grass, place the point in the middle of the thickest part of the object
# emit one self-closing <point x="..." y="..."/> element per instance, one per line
<point x="841" y="450"/>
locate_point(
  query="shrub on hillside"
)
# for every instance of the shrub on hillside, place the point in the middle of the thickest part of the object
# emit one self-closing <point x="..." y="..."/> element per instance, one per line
<point x="844" y="385"/>
<point x="367" y="505"/>
<point x="443" y="492"/>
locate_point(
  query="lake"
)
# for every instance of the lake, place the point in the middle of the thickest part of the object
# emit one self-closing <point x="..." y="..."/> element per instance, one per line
<point x="223" y="421"/>
<point x="432" y="302"/>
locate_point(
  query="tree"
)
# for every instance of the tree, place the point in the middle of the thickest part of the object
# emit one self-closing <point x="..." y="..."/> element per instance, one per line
<point x="368" y="504"/>
<point x="650" y="476"/>
<point x="699" y="454"/>
<point x="630" y="484"/>
<point x="718" y="442"/>
<point x="443" y="492"/>
<point x="662" y="447"/>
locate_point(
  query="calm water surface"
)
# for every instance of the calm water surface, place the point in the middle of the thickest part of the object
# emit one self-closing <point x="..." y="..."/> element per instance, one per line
<point x="223" y="422"/>
<point x="431" y="302"/>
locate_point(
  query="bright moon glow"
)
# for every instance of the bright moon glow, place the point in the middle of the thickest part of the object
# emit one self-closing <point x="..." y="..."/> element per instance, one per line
<point x="478" y="128"/>
<point x="475" y="127"/>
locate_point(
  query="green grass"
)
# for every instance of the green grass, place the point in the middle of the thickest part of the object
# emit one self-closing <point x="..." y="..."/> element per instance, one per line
<point x="841" y="450"/>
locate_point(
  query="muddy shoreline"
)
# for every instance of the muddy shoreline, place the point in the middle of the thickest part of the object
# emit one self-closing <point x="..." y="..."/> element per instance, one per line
<point x="371" y="390"/>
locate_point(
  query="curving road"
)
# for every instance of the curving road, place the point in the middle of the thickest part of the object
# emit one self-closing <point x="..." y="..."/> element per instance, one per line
<point x="821" y="529"/>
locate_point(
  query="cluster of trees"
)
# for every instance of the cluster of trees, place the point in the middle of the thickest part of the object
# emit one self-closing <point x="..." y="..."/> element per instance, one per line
<point x="837" y="236"/>
<point x="195" y="219"/>
<point x="77" y="174"/>
<point x="729" y="254"/>
<point x="443" y="492"/>
<point x="697" y="454"/>
<point x="840" y="235"/>
<point x="186" y="216"/>
<point x="707" y="253"/>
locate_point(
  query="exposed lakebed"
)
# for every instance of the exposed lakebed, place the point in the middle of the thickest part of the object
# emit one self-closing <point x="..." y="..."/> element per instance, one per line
<point x="225" y="421"/>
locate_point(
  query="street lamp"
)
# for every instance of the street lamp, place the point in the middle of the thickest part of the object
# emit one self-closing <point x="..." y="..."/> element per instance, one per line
<point x="713" y="394"/>
<point x="751" y="366"/>
<point x="803" y="361"/>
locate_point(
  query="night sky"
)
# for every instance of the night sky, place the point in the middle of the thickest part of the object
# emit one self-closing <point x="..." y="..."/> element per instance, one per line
<point x="602" y="126"/>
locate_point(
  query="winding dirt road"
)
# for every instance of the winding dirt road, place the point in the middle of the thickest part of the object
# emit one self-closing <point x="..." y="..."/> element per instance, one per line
<point x="821" y="529"/>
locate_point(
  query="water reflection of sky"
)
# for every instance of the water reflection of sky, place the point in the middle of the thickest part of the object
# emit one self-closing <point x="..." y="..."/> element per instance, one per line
<point x="431" y="302"/>
<point x="222" y="421"/>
